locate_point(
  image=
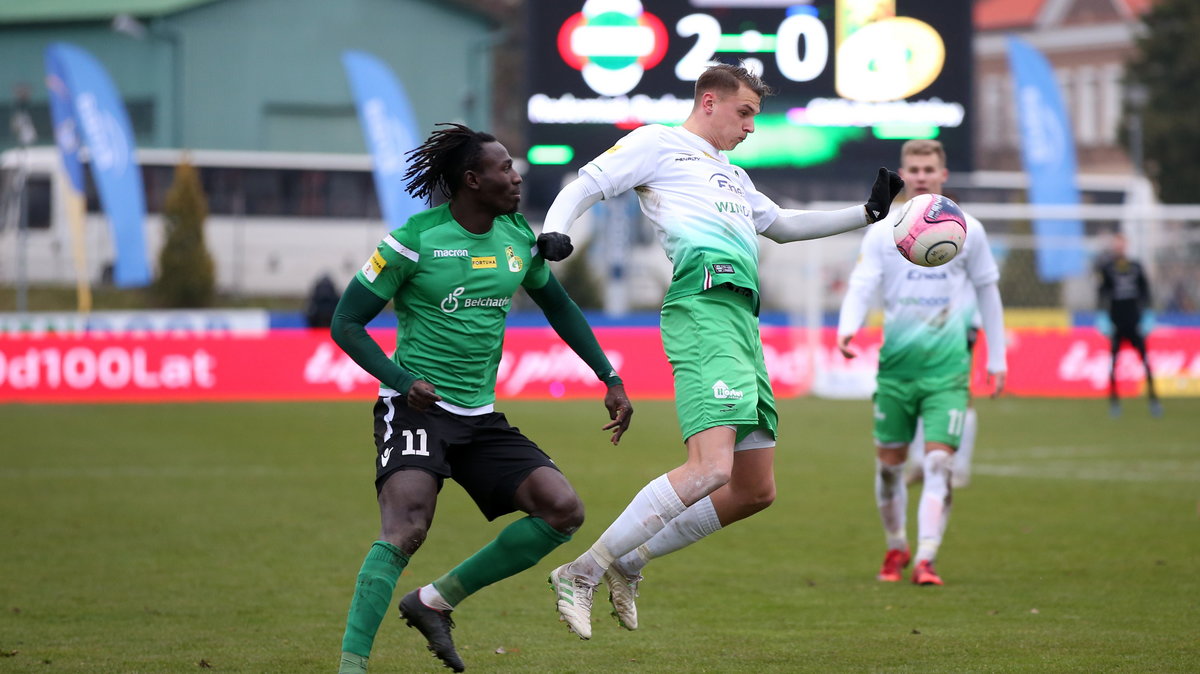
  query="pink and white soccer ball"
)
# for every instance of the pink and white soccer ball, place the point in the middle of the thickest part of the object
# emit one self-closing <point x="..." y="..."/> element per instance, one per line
<point x="930" y="230"/>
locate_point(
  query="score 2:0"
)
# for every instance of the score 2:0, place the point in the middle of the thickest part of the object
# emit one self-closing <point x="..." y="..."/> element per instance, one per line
<point x="791" y="30"/>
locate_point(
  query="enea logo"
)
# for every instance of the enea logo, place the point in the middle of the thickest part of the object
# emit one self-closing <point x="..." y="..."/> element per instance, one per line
<point x="881" y="56"/>
<point x="722" y="181"/>
<point x="611" y="43"/>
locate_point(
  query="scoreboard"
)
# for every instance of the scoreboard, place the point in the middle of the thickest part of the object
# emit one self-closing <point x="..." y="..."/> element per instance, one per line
<point x="853" y="79"/>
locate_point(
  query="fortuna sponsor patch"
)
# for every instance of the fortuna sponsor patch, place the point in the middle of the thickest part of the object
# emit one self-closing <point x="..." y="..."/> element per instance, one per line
<point x="488" y="262"/>
<point x="373" y="266"/>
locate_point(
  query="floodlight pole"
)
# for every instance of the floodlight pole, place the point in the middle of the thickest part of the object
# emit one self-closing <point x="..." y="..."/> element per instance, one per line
<point x="23" y="129"/>
<point x="127" y="24"/>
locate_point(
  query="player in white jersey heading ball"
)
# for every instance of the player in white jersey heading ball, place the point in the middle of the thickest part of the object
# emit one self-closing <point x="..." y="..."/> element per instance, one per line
<point x="708" y="215"/>
<point x="924" y="364"/>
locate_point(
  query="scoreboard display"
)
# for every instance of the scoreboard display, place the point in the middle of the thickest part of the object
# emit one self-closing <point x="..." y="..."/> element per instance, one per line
<point x="853" y="80"/>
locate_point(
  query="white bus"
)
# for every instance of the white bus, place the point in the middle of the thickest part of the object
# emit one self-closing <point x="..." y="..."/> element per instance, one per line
<point x="277" y="221"/>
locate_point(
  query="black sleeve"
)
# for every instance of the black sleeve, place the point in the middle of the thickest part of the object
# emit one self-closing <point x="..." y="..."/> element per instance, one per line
<point x="568" y="321"/>
<point x="1104" y="292"/>
<point x="356" y="308"/>
<point x="1143" y="288"/>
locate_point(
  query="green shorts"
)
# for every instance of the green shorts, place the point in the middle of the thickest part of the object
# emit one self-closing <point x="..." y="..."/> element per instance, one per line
<point x="712" y="342"/>
<point x="941" y="402"/>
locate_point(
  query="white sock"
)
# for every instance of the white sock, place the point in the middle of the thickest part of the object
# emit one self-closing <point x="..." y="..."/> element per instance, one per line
<point x="916" y="448"/>
<point x="891" y="495"/>
<point x="934" y="511"/>
<point x="433" y="599"/>
<point x="966" y="445"/>
<point x="646" y="515"/>
<point x="698" y="521"/>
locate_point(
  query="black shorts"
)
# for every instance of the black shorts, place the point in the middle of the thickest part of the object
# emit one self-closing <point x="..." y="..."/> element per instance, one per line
<point x="1127" y="332"/>
<point x="484" y="454"/>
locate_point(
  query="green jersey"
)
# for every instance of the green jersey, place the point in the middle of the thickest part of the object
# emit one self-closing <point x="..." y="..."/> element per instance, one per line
<point x="452" y="291"/>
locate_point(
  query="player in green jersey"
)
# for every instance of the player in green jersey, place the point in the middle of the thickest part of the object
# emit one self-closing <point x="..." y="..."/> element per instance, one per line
<point x="451" y="272"/>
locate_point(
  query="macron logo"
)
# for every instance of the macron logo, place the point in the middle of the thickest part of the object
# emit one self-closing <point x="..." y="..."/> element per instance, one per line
<point x="451" y="252"/>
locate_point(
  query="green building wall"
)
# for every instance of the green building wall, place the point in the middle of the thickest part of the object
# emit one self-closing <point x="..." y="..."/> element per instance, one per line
<point x="265" y="74"/>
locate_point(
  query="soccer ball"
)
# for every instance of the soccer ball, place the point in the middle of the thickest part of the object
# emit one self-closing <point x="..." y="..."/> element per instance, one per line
<point x="930" y="230"/>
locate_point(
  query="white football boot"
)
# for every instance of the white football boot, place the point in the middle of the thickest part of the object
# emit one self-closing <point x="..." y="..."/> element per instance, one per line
<point x="574" y="596"/>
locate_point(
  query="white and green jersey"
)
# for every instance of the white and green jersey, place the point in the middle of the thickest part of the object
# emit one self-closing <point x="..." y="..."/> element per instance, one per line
<point x="705" y="210"/>
<point x="927" y="310"/>
<point x="452" y="290"/>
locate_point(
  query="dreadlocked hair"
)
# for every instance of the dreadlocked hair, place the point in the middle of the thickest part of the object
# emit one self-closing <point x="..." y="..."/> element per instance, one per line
<point x="439" y="163"/>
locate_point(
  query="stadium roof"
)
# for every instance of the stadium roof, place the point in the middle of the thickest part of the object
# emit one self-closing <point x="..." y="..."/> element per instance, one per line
<point x="25" y="11"/>
<point x="1011" y="14"/>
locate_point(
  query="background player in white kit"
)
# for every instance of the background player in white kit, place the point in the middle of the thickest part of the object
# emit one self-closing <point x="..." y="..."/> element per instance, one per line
<point x="924" y="364"/>
<point x="708" y="216"/>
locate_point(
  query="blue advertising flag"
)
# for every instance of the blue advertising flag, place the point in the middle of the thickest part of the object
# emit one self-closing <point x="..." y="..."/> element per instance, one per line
<point x="66" y="133"/>
<point x="390" y="130"/>
<point x="101" y="123"/>
<point x="1048" y="154"/>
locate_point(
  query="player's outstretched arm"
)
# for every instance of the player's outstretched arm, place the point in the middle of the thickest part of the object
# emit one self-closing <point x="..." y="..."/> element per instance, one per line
<point x="796" y="225"/>
<point x="355" y="309"/>
<point x="573" y="201"/>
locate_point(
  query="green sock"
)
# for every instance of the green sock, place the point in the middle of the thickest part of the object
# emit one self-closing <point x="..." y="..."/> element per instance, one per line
<point x="521" y="545"/>
<point x="352" y="664"/>
<point x="372" y="594"/>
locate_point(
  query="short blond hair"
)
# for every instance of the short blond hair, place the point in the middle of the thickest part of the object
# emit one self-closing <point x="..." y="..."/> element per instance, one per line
<point x="923" y="147"/>
<point x="724" y="79"/>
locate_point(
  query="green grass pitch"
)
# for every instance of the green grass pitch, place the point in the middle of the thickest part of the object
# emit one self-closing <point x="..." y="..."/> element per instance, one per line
<point x="175" y="538"/>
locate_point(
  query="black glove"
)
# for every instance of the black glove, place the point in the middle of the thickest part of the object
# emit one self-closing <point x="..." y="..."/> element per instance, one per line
<point x="887" y="185"/>
<point x="555" y="246"/>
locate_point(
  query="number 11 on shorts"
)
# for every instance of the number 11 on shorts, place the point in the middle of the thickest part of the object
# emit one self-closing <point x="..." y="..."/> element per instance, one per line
<point x="409" y="443"/>
<point x="955" y="427"/>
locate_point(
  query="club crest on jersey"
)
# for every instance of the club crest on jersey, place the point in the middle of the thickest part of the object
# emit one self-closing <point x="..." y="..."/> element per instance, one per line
<point x="488" y="262"/>
<point x="515" y="263"/>
<point x="373" y="266"/>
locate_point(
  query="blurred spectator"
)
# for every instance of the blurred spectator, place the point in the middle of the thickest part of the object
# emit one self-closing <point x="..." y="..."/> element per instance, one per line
<point x="322" y="301"/>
